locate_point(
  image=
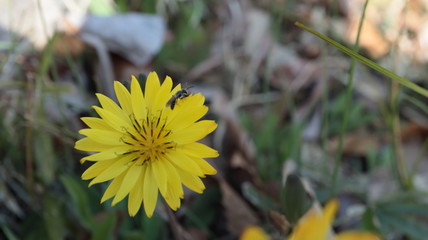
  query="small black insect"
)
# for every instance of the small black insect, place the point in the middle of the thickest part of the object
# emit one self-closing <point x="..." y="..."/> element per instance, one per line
<point x="183" y="93"/>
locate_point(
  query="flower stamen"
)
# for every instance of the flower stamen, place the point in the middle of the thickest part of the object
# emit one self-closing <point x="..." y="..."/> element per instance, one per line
<point x="151" y="139"/>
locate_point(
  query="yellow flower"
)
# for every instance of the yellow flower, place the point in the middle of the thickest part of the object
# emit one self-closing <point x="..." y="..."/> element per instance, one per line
<point x="145" y="144"/>
<point x="356" y="235"/>
<point x="254" y="233"/>
<point x="316" y="226"/>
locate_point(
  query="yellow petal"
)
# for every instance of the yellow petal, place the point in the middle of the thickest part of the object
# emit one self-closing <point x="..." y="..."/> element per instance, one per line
<point x="96" y="169"/>
<point x="195" y="132"/>
<point x="118" y="167"/>
<point x="187" y="116"/>
<point x="103" y="136"/>
<point x="112" y="152"/>
<point x="175" y="90"/>
<point x="123" y="96"/>
<point x="96" y="123"/>
<point x="172" y="198"/>
<point x="330" y="210"/>
<point x="113" y="187"/>
<point x="150" y="192"/>
<point x="87" y="144"/>
<point x="175" y="189"/>
<point x="136" y="195"/>
<point x="131" y="177"/>
<point x="114" y="121"/>
<point x="193" y="182"/>
<point x="160" y="175"/>
<point x="185" y="163"/>
<point x="174" y="180"/>
<point x="111" y="106"/>
<point x="204" y="165"/>
<point x="194" y="100"/>
<point x="162" y="96"/>
<point x="314" y="225"/>
<point x="187" y="111"/>
<point x="197" y="150"/>
<point x="152" y="87"/>
<point x="357" y="235"/>
<point x="171" y="114"/>
<point x="139" y="107"/>
<point x="254" y="233"/>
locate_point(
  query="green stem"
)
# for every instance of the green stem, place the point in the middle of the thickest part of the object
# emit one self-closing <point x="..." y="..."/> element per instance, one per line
<point x="396" y="142"/>
<point x="400" y="165"/>
<point x="367" y="62"/>
<point x="344" y="124"/>
<point x="29" y="136"/>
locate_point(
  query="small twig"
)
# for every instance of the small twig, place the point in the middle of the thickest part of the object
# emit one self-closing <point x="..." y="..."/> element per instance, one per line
<point x="107" y="78"/>
<point x="177" y="231"/>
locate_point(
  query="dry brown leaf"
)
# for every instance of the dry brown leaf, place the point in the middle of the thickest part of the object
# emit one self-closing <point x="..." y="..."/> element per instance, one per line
<point x="414" y="149"/>
<point x="356" y="144"/>
<point x="177" y="229"/>
<point x="198" y="234"/>
<point x="238" y="213"/>
<point x="235" y="133"/>
<point x="237" y="161"/>
<point x="370" y="37"/>
<point x="414" y="131"/>
<point x="204" y="67"/>
<point x="279" y="221"/>
<point x="68" y="45"/>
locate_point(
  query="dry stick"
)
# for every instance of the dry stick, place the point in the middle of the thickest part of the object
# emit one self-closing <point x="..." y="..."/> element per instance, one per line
<point x="175" y="227"/>
<point x="105" y="84"/>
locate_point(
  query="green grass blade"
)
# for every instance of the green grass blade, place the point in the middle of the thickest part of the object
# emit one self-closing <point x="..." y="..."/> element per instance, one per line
<point x="367" y="61"/>
<point x="346" y="109"/>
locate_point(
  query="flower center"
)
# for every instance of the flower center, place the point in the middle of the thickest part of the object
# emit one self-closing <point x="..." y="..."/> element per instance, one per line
<point x="150" y="140"/>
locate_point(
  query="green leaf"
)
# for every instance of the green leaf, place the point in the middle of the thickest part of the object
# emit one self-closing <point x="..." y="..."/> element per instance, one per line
<point x="79" y="199"/>
<point x="294" y="199"/>
<point x="101" y="7"/>
<point x="47" y="60"/>
<point x="7" y="232"/>
<point x="134" y="235"/>
<point x="402" y="224"/>
<point x="152" y="227"/>
<point x="368" y="221"/>
<point x="367" y="61"/>
<point x="417" y="102"/>
<point x="53" y="216"/>
<point x="257" y="198"/>
<point x="104" y="230"/>
<point x="405" y="218"/>
<point x="358" y="115"/>
<point x="416" y="209"/>
<point x="203" y="209"/>
<point x="33" y="227"/>
<point x="45" y="157"/>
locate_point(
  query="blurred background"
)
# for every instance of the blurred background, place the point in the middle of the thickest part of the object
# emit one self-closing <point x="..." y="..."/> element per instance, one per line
<point x="280" y="95"/>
